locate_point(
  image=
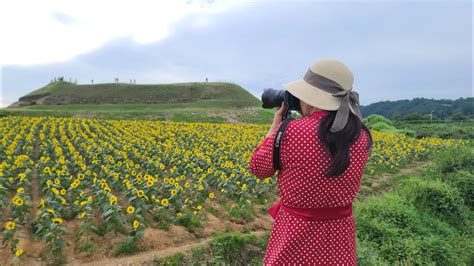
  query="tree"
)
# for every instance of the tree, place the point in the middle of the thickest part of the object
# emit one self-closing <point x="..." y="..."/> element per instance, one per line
<point x="458" y="117"/>
<point x="415" y="116"/>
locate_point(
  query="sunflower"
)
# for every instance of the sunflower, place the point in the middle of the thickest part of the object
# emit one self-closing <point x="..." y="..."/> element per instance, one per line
<point x="58" y="220"/>
<point x="19" y="252"/>
<point x="47" y="170"/>
<point x="136" y="224"/>
<point x="164" y="202"/>
<point x="199" y="207"/>
<point x="211" y="195"/>
<point x="17" y="201"/>
<point x="173" y="192"/>
<point x="42" y="203"/>
<point x="10" y="225"/>
<point x="75" y="184"/>
<point x="113" y="200"/>
<point x="130" y="209"/>
<point x="140" y="193"/>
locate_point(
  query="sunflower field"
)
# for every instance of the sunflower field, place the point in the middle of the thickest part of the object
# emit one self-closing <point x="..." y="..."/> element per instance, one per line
<point x="122" y="173"/>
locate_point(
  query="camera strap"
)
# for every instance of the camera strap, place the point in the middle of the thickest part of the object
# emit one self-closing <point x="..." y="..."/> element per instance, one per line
<point x="277" y="143"/>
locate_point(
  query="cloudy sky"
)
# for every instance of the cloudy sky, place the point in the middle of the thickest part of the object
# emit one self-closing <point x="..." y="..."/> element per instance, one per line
<point x="396" y="49"/>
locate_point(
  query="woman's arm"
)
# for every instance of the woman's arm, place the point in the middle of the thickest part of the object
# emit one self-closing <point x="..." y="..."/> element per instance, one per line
<point x="261" y="163"/>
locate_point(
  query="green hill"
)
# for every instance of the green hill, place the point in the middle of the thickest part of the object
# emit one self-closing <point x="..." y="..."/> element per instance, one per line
<point x="65" y="93"/>
<point x="190" y="102"/>
<point x="441" y="108"/>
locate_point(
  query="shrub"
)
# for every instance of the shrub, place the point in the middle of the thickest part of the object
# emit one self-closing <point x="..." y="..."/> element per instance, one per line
<point x="228" y="248"/>
<point x="464" y="181"/>
<point x="452" y="160"/>
<point x="442" y="200"/>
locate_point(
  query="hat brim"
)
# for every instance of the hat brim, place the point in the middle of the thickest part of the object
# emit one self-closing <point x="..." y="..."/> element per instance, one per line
<point x="313" y="96"/>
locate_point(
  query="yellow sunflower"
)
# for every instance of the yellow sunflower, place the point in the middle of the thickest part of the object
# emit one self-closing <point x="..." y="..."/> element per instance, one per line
<point x="10" y="225"/>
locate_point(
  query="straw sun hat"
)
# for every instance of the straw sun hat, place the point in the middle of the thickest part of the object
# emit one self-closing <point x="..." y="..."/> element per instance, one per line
<point x="327" y="85"/>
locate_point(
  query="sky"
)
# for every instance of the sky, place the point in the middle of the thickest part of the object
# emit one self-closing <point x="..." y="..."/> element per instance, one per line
<point x="396" y="49"/>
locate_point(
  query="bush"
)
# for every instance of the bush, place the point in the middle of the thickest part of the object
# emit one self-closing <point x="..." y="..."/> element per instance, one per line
<point x="442" y="200"/>
<point x="372" y="119"/>
<point x="228" y="248"/>
<point x="190" y="221"/>
<point x="452" y="160"/>
<point x="464" y="181"/>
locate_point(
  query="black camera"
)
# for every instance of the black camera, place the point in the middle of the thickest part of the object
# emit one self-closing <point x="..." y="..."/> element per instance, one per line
<point x="272" y="98"/>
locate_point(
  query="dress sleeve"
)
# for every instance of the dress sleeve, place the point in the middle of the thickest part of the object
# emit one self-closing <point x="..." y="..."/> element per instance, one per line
<point x="261" y="163"/>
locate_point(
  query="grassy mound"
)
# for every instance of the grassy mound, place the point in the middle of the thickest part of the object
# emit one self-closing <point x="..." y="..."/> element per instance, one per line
<point x="219" y="94"/>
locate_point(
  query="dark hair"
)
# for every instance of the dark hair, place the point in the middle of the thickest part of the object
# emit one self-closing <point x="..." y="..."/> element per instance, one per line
<point x="337" y="144"/>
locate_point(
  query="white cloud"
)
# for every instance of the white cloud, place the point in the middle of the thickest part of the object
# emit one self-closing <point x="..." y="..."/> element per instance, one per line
<point x="35" y="32"/>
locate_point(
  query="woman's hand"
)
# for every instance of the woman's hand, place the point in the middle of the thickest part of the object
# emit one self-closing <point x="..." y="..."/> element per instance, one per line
<point x="276" y="119"/>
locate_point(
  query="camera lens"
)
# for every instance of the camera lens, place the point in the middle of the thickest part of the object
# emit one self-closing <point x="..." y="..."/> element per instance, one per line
<point x="272" y="98"/>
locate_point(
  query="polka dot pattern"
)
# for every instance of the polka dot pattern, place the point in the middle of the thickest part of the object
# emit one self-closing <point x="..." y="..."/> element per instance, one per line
<point x="302" y="184"/>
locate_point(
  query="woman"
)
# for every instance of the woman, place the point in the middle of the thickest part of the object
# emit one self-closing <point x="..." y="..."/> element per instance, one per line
<point x="323" y="155"/>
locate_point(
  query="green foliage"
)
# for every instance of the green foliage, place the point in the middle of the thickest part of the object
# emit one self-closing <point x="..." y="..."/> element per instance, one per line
<point x="464" y="181"/>
<point x="442" y="199"/>
<point x="176" y="259"/>
<point x="127" y="247"/>
<point x="458" y="117"/>
<point x="452" y="160"/>
<point x="426" y="220"/>
<point x="380" y="126"/>
<point x="191" y="222"/>
<point x="445" y="131"/>
<point x="415" y="117"/>
<point x="87" y="247"/>
<point x="241" y="214"/>
<point x="228" y="248"/>
<point x="380" y="123"/>
<point x="423" y="106"/>
<point x="376" y="119"/>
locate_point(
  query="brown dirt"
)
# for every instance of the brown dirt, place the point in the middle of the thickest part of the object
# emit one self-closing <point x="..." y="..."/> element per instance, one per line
<point x="411" y="168"/>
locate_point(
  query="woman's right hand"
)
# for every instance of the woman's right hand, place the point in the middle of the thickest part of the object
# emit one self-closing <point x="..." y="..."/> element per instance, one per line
<point x="277" y="119"/>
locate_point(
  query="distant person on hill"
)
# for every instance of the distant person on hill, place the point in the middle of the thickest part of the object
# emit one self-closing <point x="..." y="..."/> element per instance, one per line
<point x="206" y="79"/>
<point x="323" y="155"/>
<point x="134" y="81"/>
<point x="92" y="81"/>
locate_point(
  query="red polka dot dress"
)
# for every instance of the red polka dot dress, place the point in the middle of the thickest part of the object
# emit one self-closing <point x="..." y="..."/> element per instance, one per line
<point x="302" y="184"/>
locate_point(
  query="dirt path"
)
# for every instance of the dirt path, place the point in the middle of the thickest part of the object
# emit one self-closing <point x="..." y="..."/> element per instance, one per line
<point x="377" y="186"/>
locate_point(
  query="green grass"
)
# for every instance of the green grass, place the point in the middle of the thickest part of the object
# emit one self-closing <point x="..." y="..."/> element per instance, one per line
<point x="200" y="111"/>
